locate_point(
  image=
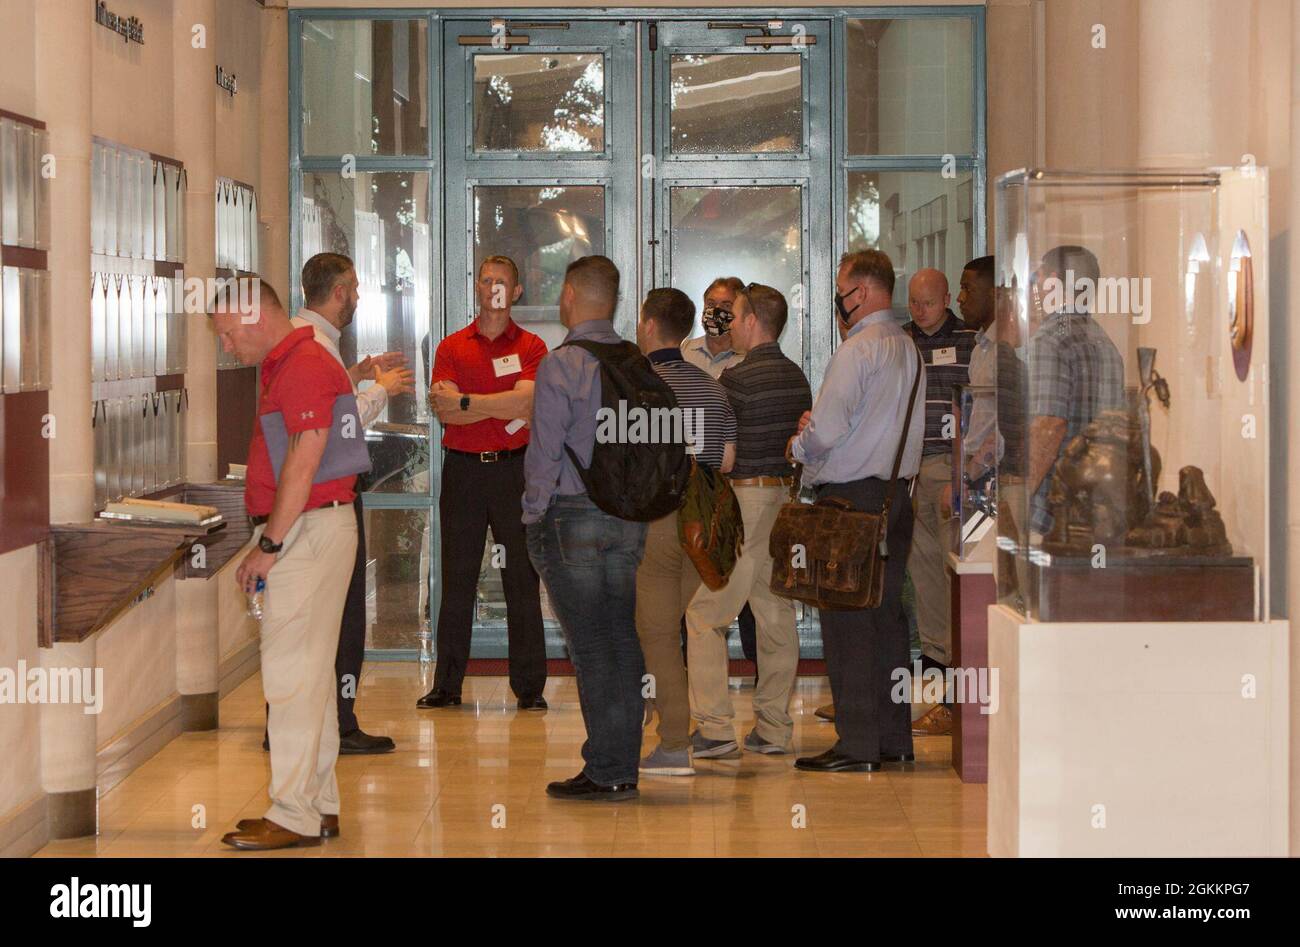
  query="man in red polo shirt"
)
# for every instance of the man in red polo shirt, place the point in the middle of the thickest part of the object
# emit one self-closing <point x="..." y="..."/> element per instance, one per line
<point x="306" y="534"/>
<point x="482" y="392"/>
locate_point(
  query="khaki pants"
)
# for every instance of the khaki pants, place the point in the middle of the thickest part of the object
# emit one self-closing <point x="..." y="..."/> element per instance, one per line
<point x="710" y="613"/>
<point x="666" y="581"/>
<point x="927" y="563"/>
<point x="302" y="609"/>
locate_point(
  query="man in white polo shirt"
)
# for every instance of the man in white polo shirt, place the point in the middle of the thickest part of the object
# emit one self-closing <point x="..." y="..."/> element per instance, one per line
<point x="329" y="287"/>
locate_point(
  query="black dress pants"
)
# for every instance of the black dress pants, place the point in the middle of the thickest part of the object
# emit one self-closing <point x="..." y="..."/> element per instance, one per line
<point x="865" y="646"/>
<point x="473" y="496"/>
<point x="352" y="633"/>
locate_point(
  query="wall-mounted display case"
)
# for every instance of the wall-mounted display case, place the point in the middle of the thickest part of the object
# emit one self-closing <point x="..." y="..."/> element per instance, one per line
<point x="238" y="242"/>
<point x="1133" y="481"/>
<point x="237" y="230"/>
<point x="137" y="204"/>
<point x="24" y="240"/>
<point x="138" y="321"/>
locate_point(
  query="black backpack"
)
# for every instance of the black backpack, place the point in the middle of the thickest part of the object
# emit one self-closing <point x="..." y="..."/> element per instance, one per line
<point x="638" y="482"/>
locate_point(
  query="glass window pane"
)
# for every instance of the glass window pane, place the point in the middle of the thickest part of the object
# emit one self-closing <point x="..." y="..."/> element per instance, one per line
<point x="553" y="102"/>
<point x="920" y="218"/>
<point x="381" y="221"/>
<point x="736" y="103"/>
<point x="364" y="87"/>
<point x="543" y="229"/>
<point x="755" y="233"/>
<point x="910" y="86"/>
<point x="397" y="576"/>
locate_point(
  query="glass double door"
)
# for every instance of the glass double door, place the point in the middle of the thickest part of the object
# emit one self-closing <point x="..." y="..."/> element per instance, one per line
<point x="682" y="150"/>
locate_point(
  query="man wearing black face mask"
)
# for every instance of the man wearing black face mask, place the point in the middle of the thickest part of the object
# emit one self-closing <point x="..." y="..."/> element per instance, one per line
<point x="714" y="350"/>
<point x="859" y="444"/>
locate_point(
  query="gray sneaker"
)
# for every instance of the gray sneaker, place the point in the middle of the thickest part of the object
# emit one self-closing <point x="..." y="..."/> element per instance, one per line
<point x="703" y="748"/>
<point x="756" y="744"/>
<point x="663" y="762"/>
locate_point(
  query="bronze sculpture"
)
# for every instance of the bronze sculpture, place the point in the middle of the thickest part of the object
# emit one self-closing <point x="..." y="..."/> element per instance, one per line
<point x="1100" y="494"/>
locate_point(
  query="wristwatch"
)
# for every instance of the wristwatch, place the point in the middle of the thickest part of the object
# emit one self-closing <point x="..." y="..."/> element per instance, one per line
<point x="266" y="545"/>
<point x="464" y="402"/>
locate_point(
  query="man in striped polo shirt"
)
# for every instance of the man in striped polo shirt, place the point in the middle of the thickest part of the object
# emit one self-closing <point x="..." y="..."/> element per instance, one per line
<point x="769" y="394"/>
<point x="666" y="580"/>
<point x="946" y="345"/>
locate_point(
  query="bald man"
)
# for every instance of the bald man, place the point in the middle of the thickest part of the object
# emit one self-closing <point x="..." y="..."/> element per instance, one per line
<point x="946" y="344"/>
<point x="306" y="542"/>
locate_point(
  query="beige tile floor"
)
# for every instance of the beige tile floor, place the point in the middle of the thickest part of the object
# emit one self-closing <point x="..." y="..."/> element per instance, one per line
<point x="471" y="781"/>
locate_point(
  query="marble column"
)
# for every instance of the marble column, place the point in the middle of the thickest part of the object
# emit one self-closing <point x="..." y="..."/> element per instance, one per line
<point x="194" y="123"/>
<point x="63" y="94"/>
<point x="273" y="192"/>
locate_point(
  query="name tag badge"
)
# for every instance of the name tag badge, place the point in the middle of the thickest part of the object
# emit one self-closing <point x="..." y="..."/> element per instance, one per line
<point x="945" y="356"/>
<point x="507" y="365"/>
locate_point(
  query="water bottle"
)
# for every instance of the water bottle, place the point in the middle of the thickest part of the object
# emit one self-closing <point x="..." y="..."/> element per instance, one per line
<point x="255" y="599"/>
<point x="424" y="643"/>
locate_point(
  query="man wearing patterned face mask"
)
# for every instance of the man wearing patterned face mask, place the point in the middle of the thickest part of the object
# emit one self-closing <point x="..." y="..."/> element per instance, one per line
<point x="713" y="351"/>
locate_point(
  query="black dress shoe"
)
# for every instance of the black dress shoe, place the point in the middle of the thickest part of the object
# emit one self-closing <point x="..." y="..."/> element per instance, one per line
<point x="533" y="703"/>
<point x="581" y="788"/>
<point x="436" y="698"/>
<point x="898" y="757"/>
<point x="833" y="762"/>
<point x="358" y="742"/>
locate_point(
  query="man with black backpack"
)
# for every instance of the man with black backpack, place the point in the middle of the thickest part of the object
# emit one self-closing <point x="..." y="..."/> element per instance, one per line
<point x="593" y="478"/>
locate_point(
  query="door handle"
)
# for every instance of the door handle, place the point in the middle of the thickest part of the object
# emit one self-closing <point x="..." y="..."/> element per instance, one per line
<point x="504" y="43"/>
<point x="784" y="39"/>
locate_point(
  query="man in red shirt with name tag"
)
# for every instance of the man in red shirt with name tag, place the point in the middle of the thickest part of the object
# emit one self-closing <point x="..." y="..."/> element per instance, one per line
<point x="306" y="534"/>
<point x="482" y="392"/>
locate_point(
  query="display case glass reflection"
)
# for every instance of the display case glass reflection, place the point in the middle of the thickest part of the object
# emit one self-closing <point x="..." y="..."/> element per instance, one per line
<point x="1133" y="483"/>
<point x="974" y="468"/>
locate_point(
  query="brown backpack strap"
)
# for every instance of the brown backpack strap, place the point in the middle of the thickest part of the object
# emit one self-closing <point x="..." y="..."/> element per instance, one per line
<point x="898" y="455"/>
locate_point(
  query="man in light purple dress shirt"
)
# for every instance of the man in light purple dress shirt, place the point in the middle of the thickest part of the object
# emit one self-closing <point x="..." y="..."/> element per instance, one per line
<point x="587" y="558"/>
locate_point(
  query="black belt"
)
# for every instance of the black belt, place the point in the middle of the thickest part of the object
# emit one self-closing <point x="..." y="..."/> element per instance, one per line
<point x="259" y="520"/>
<point x="488" y="456"/>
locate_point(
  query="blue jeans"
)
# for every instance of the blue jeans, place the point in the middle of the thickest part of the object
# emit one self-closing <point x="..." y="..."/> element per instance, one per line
<point x="588" y="560"/>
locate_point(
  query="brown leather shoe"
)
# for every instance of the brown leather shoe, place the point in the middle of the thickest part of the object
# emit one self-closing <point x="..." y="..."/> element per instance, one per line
<point x="826" y="712"/>
<point x="935" y="722"/>
<point x="329" y="825"/>
<point x="264" y="835"/>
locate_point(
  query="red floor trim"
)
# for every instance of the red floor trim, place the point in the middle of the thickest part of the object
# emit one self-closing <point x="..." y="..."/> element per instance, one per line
<point x="560" y="667"/>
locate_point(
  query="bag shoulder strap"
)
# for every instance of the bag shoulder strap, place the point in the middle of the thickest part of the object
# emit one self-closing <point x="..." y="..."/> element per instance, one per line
<point x="902" y="442"/>
<point x="603" y="351"/>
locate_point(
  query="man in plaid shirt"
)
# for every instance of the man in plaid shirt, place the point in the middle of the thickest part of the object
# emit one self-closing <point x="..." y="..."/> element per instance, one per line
<point x="1075" y="373"/>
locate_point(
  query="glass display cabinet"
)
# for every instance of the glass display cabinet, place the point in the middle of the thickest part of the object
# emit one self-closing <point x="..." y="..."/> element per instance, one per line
<point x="1132" y="395"/>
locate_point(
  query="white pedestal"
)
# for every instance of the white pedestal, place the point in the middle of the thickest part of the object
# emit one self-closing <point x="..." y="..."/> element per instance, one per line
<point x="1138" y="739"/>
